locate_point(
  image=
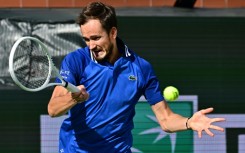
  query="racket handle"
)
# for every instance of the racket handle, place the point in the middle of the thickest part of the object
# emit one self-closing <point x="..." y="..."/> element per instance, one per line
<point x="71" y="87"/>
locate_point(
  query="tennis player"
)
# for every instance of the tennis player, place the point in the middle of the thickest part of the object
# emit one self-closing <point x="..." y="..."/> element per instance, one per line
<point x="111" y="78"/>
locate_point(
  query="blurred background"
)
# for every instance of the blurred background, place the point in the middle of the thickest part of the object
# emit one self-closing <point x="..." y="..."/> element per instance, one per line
<point x="197" y="46"/>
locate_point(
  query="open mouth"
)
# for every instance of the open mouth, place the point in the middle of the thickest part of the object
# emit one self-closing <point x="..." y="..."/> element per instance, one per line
<point x="97" y="53"/>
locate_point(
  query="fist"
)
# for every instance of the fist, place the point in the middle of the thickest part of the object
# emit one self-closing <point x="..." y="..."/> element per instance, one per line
<point x="81" y="96"/>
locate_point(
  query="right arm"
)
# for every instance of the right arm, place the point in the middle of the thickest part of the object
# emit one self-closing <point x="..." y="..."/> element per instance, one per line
<point x="62" y="100"/>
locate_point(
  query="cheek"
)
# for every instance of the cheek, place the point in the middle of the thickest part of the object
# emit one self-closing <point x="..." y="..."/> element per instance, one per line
<point x="106" y="45"/>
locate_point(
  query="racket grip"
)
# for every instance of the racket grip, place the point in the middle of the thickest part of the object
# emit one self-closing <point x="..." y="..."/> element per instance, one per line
<point x="71" y="87"/>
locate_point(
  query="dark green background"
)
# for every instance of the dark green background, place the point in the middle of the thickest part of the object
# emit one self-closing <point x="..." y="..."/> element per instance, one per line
<point x="201" y="56"/>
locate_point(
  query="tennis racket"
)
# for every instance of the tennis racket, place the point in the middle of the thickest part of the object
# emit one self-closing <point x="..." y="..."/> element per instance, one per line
<point x="31" y="66"/>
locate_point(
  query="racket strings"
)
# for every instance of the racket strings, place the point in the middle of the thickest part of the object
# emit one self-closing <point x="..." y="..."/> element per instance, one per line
<point x="31" y="64"/>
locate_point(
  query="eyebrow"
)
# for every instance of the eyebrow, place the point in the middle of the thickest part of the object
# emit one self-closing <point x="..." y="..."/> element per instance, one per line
<point x="85" y="38"/>
<point x="92" y="37"/>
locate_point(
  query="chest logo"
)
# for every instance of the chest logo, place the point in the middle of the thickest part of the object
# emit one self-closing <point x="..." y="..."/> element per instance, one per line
<point x="132" y="78"/>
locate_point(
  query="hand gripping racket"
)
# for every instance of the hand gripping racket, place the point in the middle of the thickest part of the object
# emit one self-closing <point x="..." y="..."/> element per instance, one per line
<point x="31" y="66"/>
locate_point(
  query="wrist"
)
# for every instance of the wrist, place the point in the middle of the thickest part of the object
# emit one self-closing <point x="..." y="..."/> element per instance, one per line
<point x="187" y="124"/>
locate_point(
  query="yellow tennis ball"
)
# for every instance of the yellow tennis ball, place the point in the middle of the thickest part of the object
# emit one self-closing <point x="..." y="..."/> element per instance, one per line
<point x="170" y="93"/>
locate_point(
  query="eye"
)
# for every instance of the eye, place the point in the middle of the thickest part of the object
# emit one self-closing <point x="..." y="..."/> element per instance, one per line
<point x="95" y="38"/>
<point x="85" y="39"/>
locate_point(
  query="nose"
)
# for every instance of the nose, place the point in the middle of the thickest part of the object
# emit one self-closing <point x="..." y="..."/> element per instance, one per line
<point x="92" y="45"/>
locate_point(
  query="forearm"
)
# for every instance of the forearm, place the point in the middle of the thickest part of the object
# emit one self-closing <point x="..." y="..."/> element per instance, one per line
<point x="174" y="123"/>
<point x="62" y="100"/>
<point x="60" y="105"/>
<point x="168" y="120"/>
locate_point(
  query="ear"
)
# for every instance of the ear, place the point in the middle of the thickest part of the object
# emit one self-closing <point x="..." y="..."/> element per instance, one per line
<point x="113" y="32"/>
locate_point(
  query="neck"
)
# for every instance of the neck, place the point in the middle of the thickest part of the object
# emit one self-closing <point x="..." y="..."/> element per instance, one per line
<point x="115" y="56"/>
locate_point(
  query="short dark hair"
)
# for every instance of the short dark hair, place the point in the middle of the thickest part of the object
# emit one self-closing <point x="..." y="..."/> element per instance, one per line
<point x="96" y="10"/>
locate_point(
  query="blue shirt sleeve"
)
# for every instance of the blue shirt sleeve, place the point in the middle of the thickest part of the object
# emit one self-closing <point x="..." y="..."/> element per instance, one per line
<point x="73" y="65"/>
<point x="152" y="92"/>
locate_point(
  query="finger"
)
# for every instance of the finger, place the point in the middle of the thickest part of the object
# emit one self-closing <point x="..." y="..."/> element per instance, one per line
<point x="208" y="110"/>
<point x="199" y="134"/>
<point x="83" y="90"/>
<point x="216" y="128"/>
<point x="87" y="97"/>
<point x="84" y="93"/>
<point x="217" y="120"/>
<point x="209" y="132"/>
<point x="75" y="95"/>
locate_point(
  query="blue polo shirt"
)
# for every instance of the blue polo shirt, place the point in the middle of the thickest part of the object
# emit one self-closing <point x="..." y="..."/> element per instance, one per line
<point x="104" y="122"/>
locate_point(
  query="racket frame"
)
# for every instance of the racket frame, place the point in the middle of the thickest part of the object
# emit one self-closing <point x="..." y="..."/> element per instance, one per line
<point x="52" y="69"/>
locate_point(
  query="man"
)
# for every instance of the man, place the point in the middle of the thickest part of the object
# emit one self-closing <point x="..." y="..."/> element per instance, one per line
<point x="111" y="79"/>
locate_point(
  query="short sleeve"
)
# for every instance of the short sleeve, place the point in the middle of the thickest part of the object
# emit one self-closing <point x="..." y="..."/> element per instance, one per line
<point x="73" y="65"/>
<point x="152" y="92"/>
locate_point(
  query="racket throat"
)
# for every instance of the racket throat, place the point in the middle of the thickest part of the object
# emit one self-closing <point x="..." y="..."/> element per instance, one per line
<point x="66" y="83"/>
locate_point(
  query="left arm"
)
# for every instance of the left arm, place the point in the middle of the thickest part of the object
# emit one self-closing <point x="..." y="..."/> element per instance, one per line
<point x="168" y="120"/>
<point x="172" y="122"/>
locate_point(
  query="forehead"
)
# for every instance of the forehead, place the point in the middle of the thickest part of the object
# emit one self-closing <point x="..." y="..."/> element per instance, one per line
<point x="92" y="27"/>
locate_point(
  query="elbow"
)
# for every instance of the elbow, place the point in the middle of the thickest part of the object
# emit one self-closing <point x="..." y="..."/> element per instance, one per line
<point x="51" y="112"/>
<point x="52" y="115"/>
<point x="164" y="126"/>
<point x="168" y="131"/>
<point x="165" y="129"/>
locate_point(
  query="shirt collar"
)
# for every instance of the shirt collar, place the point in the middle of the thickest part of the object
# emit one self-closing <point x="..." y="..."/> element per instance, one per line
<point x="123" y="48"/>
